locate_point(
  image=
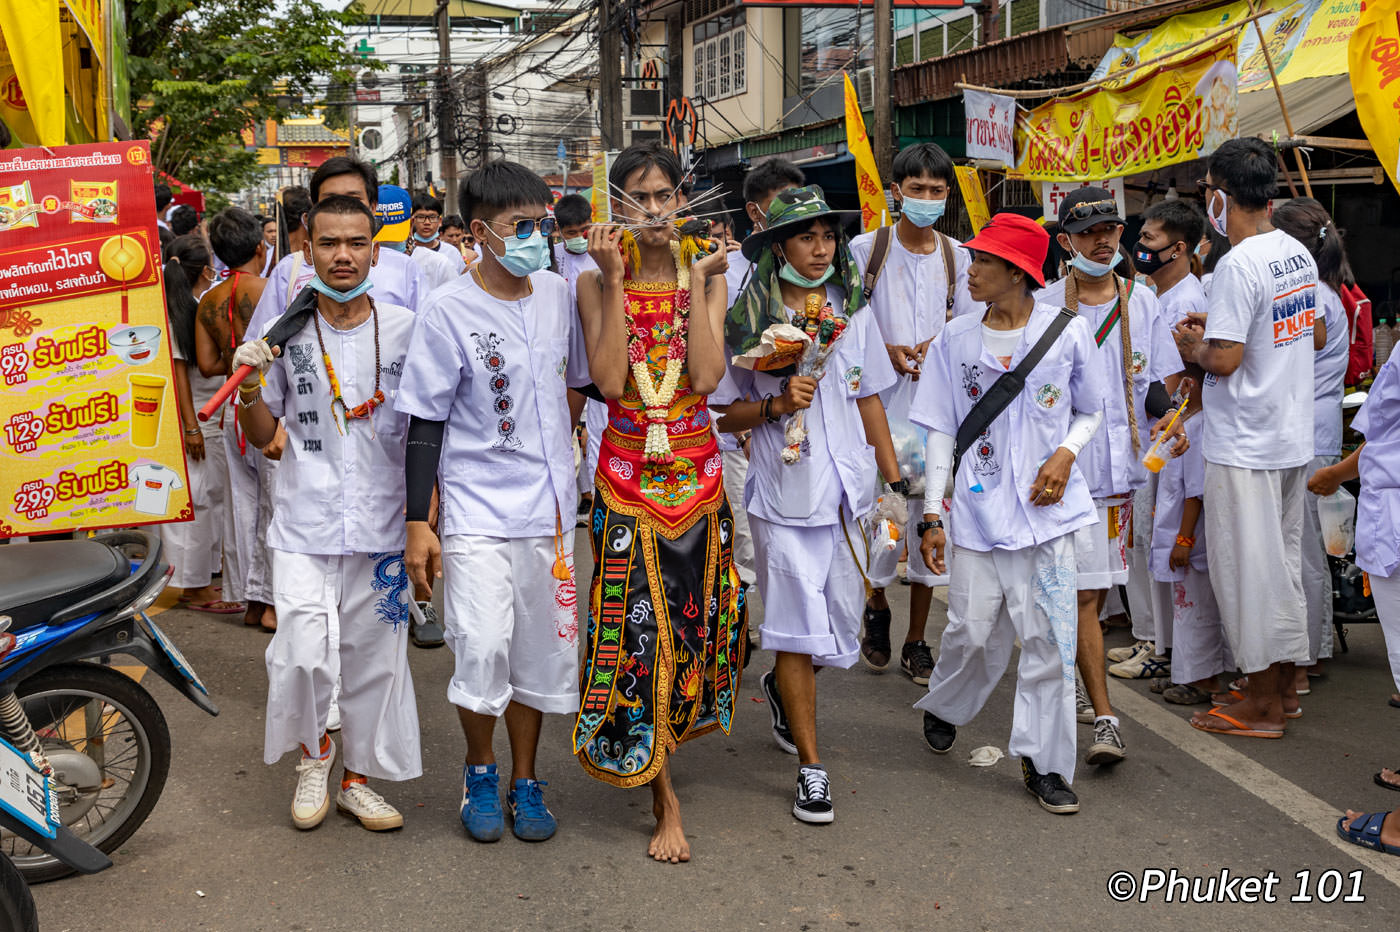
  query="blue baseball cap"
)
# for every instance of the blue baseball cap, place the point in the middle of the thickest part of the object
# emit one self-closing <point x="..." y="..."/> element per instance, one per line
<point x="393" y="211"/>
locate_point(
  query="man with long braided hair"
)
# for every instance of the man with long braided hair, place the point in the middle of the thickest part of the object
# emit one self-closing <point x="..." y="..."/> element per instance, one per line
<point x="1136" y="351"/>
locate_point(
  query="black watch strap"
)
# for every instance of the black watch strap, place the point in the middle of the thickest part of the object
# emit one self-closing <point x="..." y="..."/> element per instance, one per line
<point x="900" y="486"/>
<point x="923" y="527"/>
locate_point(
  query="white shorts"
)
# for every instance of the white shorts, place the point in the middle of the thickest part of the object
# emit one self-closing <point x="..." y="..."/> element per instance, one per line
<point x="1254" y="530"/>
<point x="884" y="564"/>
<point x="512" y="627"/>
<point x="346" y="617"/>
<point x="813" y="591"/>
<point x="1199" y="650"/>
<point x="1101" y="550"/>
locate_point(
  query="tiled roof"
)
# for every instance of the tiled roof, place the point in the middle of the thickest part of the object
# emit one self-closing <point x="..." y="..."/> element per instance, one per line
<point x="296" y="133"/>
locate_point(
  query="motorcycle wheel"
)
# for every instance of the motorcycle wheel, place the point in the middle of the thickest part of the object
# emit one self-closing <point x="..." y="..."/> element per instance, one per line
<point x="110" y="747"/>
<point x="16" y="902"/>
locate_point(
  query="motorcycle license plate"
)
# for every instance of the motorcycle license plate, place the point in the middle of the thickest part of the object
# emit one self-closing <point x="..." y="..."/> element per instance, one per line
<point x="175" y="656"/>
<point x="24" y="792"/>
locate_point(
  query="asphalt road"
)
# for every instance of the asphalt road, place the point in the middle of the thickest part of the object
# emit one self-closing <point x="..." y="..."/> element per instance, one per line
<point x="919" y="841"/>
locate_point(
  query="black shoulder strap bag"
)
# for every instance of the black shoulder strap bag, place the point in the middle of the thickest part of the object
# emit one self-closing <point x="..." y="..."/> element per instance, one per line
<point x="1005" y="389"/>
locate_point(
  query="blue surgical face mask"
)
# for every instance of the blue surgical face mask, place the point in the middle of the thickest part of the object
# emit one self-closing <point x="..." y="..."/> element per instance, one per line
<point x="344" y="297"/>
<point x="789" y="274"/>
<point x="1094" y="269"/>
<point x="921" y="212"/>
<point x="577" y="245"/>
<point x="420" y="238"/>
<point x="524" y="256"/>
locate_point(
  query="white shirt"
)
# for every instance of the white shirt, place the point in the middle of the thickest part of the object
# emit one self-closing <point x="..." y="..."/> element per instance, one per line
<point x="1181" y="478"/>
<point x="438" y="267"/>
<point x="1185" y="297"/>
<point x="736" y="276"/>
<point x="1110" y="464"/>
<point x="498" y="372"/>
<point x="1378" y="511"/>
<point x="395" y="279"/>
<point x="910" y="301"/>
<point x="1264" y="295"/>
<point x="340" y="489"/>
<point x="1004" y="462"/>
<point x="837" y="464"/>
<point x="1329" y="372"/>
<point x="572" y="266"/>
<point x="154" y="483"/>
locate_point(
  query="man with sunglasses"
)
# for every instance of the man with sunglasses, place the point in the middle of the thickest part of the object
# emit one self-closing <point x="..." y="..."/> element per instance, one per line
<point x="486" y="384"/>
<point x="1134" y="350"/>
<point x="1256" y="346"/>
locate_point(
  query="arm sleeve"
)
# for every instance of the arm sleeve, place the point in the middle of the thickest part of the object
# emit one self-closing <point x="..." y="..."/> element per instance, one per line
<point x="938" y="461"/>
<point x="1158" y="402"/>
<point x="421" y="465"/>
<point x="1081" y="429"/>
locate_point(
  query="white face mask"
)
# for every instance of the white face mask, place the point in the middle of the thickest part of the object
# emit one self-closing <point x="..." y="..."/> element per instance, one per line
<point x="1217" y="221"/>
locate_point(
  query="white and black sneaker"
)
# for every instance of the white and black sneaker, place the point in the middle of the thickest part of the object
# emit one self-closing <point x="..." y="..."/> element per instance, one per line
<point x="1108" y="744"/>
<point x="813" y="802"/>
<point x="1083" y="708"/>
<point x="1049" y="789"/>
<point x="768" y="682"/>
<point x="938" y="734"/>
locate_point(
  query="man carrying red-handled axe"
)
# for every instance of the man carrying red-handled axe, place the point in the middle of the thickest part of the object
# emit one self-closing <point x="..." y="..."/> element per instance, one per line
<point x="330" y="369"/>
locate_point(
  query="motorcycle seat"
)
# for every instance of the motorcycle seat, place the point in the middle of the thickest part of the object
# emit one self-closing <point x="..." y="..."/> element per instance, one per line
<point x="37" y="580"/>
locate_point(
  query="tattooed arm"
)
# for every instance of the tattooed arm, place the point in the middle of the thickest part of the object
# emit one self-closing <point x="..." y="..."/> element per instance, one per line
<point x="1220" y="357"/>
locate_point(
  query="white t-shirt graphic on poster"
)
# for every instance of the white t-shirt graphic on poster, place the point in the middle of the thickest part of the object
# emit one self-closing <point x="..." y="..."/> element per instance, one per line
<point x="153" y="484"/>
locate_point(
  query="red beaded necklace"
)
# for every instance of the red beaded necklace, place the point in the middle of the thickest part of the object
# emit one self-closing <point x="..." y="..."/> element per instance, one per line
<point x="365" y="409"/>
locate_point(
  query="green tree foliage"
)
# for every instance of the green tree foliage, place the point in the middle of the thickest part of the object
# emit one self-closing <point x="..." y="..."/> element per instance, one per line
<point x="203" y="71"/>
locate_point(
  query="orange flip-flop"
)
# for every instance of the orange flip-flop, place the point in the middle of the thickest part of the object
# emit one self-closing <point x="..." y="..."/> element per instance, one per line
<point x="1238" y="728"/>
<point x="1237" y="696"/>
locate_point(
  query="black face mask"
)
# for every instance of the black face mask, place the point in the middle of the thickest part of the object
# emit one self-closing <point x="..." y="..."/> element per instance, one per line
<point x="1146" y="261"/>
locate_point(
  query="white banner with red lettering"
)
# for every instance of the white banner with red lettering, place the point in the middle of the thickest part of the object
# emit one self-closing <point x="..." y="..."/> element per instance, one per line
<point x="991" y="127"/>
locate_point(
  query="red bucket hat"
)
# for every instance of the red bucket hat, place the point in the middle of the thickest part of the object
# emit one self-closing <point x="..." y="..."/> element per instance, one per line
<point x="1017" y="239"/>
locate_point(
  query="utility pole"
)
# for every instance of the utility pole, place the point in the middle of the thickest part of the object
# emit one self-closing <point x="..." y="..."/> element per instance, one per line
<point x="990" y="13"/>
<point x="609" y="77"/>
<point x="882" y="122"/>
<point x="447" y="149"/>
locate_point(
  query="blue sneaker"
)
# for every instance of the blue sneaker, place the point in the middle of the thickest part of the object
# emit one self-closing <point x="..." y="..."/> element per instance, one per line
<point x="481" y="802"/>
<point x="531" y="817"/>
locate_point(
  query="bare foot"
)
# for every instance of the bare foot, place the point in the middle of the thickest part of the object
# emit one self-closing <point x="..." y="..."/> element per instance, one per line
<point x="668" y="841"/>
<point x="1390" y="777"/>
<point x="1390" y="828"/>
<point x="269" y="619"/>
<point x="253" y="617"/>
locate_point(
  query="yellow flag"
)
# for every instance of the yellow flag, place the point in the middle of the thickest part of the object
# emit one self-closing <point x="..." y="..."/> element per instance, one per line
<point x="35" y="45"/>
<point x="1374" y="54"/>
<point x="873" y="207"/>
<point x="970" y="184"/>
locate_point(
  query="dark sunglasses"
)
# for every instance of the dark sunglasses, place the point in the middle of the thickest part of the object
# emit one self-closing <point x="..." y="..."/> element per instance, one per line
<point x="1204" y="187"/>
<point x="1084" y="211"/>
<point x="523" y="228"/>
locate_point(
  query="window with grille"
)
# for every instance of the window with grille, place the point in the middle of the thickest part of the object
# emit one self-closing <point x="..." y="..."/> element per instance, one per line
<point x="721" y="59"/>
<point x="904" y="50"/>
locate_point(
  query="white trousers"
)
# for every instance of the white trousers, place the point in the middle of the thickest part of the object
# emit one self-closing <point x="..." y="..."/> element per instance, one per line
<point x="995" y="597"/>
<point x="512" y="627"/>
<point x="1101" y="550"/>
<point x="250" y="477"/>
<point x="812" y="589"/>
<point x="194" y="548"/>
<point x="1199" y="650"/>
<point x="595" y="421"/>
<point x="346" y="617"/>
<point x="1385" y="590"/>
<point x="1149" y="599"/>
<point x="1254" y="528"/>
<point x="736" y="471"/>
<point x="884" y="564"/>
<point x="1317" y="575"/>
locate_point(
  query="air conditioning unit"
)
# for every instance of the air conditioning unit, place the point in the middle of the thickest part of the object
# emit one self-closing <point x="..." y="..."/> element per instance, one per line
<point x="632" y="137"/>
<point x="865" y="87"/>
<point x="641" y="103"/>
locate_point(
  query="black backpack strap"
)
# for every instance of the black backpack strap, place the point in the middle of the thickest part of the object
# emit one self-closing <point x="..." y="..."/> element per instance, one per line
<point x="879" y="252"/>
<point x="1005" y="389"/>
<point x="951" y="270"/>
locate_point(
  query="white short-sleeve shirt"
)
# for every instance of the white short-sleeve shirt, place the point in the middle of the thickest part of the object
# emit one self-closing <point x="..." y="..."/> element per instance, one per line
<point x="154" y="483"/>
<point x="1181" y="478"/>
<point x="1264" y="295"/>
<point x="1329" y="374"/>
<point x="837" y="465"/>
<point x="992" y="486"/>
<point x="1378" y="510"/>
<point x="340" y="484"/>
<point x="497" y="372"/>
<point x="1109" y="461"/>
<point x="910" y="301"/>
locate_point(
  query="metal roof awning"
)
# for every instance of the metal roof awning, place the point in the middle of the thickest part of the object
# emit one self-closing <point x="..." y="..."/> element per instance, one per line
<point x="421" y="12"/>
<point x="1312" y="103"/>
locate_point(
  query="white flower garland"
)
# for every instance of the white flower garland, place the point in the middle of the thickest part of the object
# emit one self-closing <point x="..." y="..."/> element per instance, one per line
<point x="657" y="399"/>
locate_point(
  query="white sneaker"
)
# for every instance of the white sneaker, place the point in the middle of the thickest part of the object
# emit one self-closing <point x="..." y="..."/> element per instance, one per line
<point x="1141" y="666"/>
<point x="311" y="802"/>
<point x="369" y="807"/>
<point x="1120" y="654"/>
<point x="333" y="716"/>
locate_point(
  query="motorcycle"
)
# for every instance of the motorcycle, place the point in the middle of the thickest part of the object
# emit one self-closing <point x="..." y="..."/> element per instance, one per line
<point x="29" y="809"/>
<point x="95" y="733"/>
